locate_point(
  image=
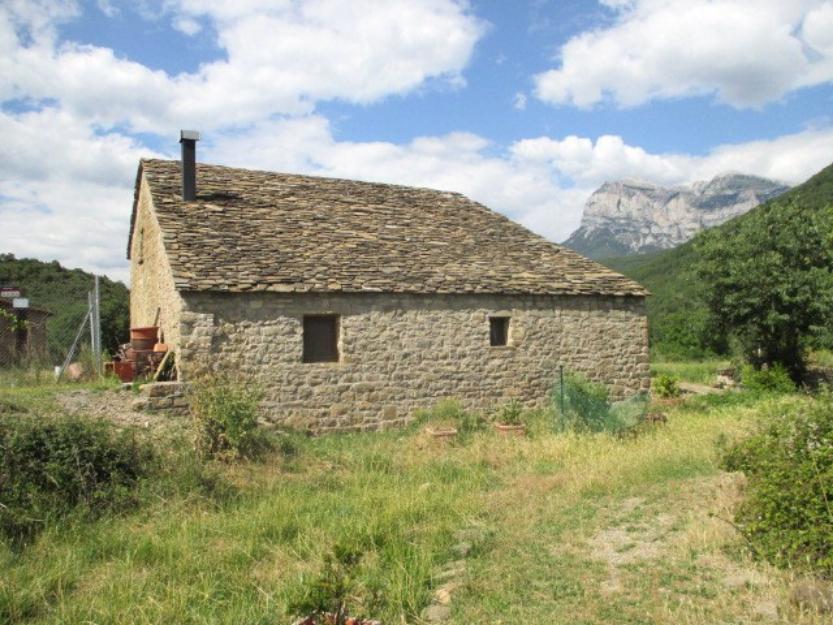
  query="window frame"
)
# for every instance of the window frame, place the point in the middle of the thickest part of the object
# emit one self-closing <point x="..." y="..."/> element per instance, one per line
<point x="503" y="322"/>
<point x="310" y="354"/>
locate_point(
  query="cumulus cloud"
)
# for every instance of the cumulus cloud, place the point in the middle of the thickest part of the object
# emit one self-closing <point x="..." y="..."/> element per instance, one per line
<point x="745" y="52"/>
<point x="65" y="190"/>
<point x="280" y="58"/>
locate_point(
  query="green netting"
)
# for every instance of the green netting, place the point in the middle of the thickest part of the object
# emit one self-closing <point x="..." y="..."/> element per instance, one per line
<point x="584" y="406"/>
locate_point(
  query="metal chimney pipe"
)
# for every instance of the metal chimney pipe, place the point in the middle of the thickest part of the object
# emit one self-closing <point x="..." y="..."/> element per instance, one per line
<point x="188" y="139"/>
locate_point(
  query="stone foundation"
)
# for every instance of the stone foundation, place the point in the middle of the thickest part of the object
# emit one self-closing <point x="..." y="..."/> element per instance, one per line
<point x="168" y="397"/>
<point x="401" y="353"/>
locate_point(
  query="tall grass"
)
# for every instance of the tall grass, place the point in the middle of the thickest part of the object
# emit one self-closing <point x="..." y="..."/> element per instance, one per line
<point x="245" y="558"/>
<point x="696" y="371"/>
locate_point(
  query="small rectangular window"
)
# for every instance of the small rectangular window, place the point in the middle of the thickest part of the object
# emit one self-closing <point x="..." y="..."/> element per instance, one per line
<point x="321" y="338"/>
<point x="498" y="331"/>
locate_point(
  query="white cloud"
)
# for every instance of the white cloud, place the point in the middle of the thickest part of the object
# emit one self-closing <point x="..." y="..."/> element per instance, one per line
<point x="746" y="52"/>
<point x="187" y="25"/>
<point x="280" y="58"/>
<point x="519" y="102"/>
<point x="66" y="191"/>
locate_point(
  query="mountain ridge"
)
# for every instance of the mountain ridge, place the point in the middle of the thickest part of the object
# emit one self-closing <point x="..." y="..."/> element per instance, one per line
<point x="632" y="216"/>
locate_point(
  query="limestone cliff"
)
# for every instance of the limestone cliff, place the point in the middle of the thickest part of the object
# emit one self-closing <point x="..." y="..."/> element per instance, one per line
<point x="631" y="217"/>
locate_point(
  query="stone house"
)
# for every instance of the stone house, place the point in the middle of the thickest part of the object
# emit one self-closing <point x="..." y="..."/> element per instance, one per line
<point x="352" y="304"/>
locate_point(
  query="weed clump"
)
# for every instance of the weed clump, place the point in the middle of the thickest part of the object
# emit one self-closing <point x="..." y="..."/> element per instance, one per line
<point x="666" y="386"/>
<point x="225" y="416"/>
<point x="331" y="592"/>
<point x="788" y="512"/>
<point x="772" y="379"/>
<point x="50" y="468"/>
<point x="511" y="413"/>
<point x="449" y="412"/>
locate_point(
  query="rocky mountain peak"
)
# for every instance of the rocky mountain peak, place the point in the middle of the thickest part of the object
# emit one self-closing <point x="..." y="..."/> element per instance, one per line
<point x="633" y="216"/>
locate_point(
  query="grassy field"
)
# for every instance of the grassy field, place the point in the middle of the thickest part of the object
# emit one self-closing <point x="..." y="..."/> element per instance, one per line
<point x="697" y="371"/>
<point x="569" y="529"/>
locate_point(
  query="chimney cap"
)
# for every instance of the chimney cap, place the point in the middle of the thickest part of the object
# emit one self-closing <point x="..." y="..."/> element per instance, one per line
<point x="189" y="135"/>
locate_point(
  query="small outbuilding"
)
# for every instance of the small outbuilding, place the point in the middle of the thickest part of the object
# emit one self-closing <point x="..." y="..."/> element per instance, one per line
<point x="22" y="335"/>
<point x="353" y="304"/>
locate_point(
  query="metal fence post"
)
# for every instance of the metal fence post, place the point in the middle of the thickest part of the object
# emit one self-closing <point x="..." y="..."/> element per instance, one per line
<point x="97" y="348"/>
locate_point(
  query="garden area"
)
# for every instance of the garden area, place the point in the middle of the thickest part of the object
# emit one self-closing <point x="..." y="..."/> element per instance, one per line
<point x="205" y="520"/>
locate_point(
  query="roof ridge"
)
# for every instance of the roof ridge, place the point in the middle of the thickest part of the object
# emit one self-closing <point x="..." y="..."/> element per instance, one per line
<point x="310" y="176"/>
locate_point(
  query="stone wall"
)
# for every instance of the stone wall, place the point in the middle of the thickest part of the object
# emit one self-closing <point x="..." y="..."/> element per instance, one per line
<point x="399" y="353"/>
<point x="168" y="397"/>
<point x="151" y="280"/>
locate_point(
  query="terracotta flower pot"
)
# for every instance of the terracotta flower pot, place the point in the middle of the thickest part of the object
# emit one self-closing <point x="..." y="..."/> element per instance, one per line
<point x="510" y="430"/>
<point x="149" y="332"/>
<point x="123" y="369"/>
<point x="329" y="619"/>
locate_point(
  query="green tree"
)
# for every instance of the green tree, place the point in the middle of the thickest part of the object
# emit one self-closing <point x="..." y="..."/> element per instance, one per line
<point x="768" y="280"/>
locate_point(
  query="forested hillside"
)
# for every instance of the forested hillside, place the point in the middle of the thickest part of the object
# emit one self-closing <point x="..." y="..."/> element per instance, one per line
<point x="63" y="292"/>
<point x="680" y="323"/>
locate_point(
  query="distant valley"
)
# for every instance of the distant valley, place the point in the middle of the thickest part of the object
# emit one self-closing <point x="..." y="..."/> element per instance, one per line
<point x="630" y="217"/>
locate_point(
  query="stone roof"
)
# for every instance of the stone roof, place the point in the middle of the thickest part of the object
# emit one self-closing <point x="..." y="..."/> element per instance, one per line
<point x="264" y="231"/>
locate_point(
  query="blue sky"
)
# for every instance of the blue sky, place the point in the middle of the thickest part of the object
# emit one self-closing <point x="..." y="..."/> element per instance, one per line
<point x="527" y="107"/>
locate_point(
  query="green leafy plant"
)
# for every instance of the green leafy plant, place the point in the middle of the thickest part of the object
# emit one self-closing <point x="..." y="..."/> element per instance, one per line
<point x="788" y="511"/>
<point x="330" y="592"/>
<point x="50" y="468"/>
<point x="771" y="379"/>
<point x="12" y="321"/>
<point x="225" y="416"/>
<point x="666" y="386"/>
<point x="450" y="413"/>
<point x="511" y="413"/>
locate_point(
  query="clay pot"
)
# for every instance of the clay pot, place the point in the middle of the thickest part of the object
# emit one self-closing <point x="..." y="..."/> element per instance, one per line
<point x="123" y="369"/>
<point x="510" y="430"/>
<point x="160" y="348"/>
<point x="143" y="345"/>
<point x="143" y="339"/>
<point x="330" y="619"/>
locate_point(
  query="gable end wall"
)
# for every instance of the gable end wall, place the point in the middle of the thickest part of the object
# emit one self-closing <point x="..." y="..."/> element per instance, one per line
<point x="151" y="280"/>
<point x="401" y="353"/>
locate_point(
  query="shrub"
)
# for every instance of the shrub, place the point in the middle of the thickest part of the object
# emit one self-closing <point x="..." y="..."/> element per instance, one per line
<point x="511" y="413"/>
<point x="772" y="379"/>
<point x="666" y="386"/>
<point x="587" y="407"/>
<point x="331" y="591"/>
<point x="788" y="511"/>
<point x="450" y="412"/>
<point x="50" y="468"/>
<point x="225" y="419"/>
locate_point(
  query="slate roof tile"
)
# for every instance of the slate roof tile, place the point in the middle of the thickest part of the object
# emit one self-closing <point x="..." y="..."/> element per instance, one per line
<point x="256" y="230"/>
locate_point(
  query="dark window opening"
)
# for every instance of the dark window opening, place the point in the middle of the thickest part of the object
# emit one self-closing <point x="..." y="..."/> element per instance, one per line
<point x="498" y="331"/>
<point x="321" y="338"/>
<point x="141" y="246"/>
